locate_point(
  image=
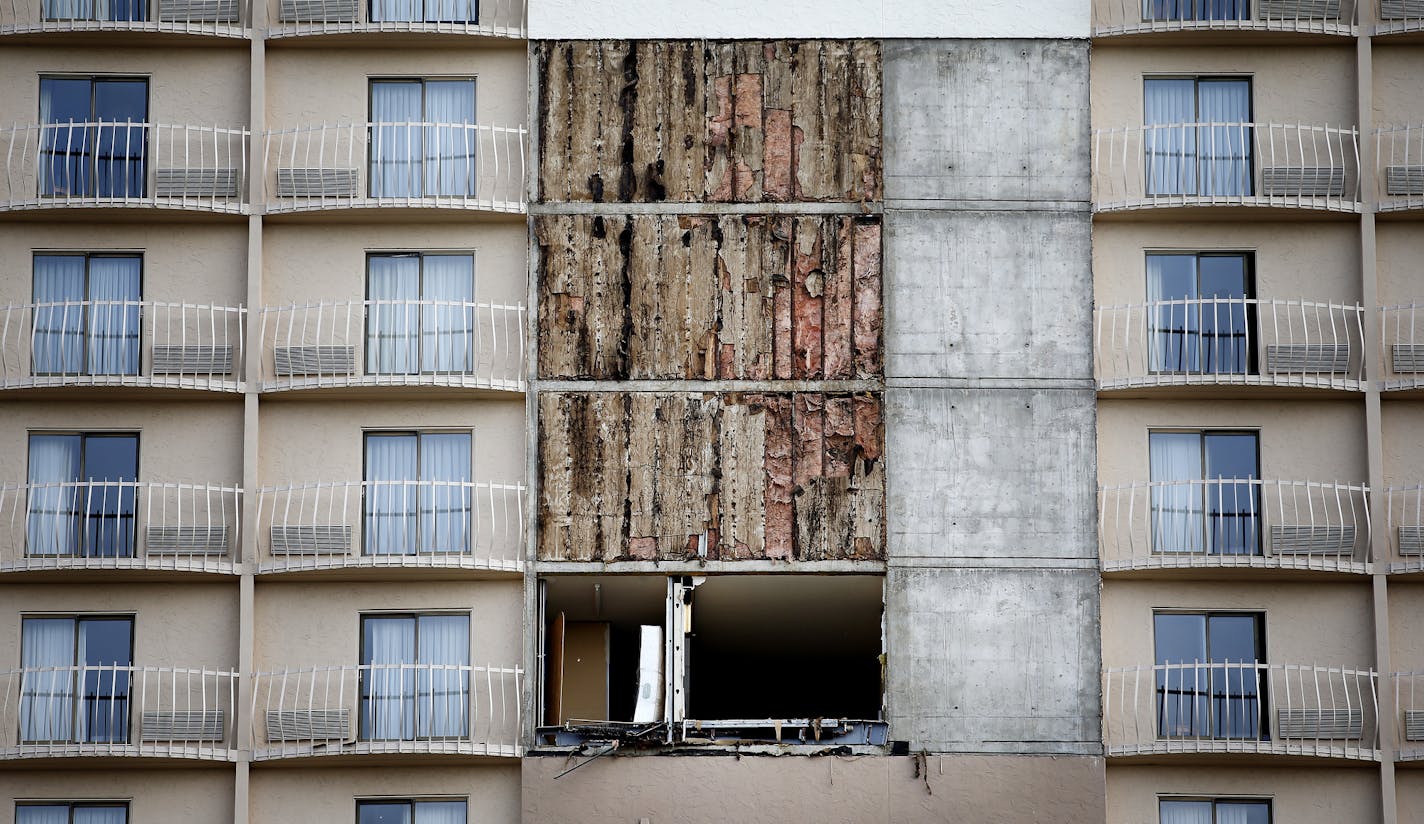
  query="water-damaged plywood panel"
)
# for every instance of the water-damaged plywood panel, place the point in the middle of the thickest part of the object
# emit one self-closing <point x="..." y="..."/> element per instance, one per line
<point x="732" y="297"/>
<point x="676" y="475"/>
<point x="704" y="121"/>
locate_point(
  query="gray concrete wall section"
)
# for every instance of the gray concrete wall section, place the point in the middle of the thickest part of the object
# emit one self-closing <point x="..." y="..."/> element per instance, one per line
<point x="992" y="593"/>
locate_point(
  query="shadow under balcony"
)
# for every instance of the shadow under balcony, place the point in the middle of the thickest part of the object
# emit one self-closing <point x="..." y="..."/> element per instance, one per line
<point x="1225" y="170"/>
<point x="1229" y="347"/>
<point x="380" y="712"/>
<point x="385" y="529"/>
<point x="49" y="348"/>
<point x="102" y="530"/>
<point x="1180" y="713"/>
<point x="118" y="713"/>
<point x="1227" y="528"/>
<point x="125" y="22"/>
<point x="382" y="168"/>
<point x="1200" y="22"/>
<point x="396" y="22"/>
<point x="116" y="167"/>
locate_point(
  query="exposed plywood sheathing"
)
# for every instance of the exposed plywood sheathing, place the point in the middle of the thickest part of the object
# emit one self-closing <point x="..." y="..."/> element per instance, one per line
<point x="676" y="476"/>
<point x="733" y="297"/>
<point x="709" y="122"/>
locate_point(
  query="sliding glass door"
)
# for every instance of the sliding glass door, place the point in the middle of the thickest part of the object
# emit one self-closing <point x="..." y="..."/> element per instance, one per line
<point x="422" y="140"/>
<point x="82" y="495"/>
<point x="1197" y="136"/>
<point x="417" y="323"/>
<point x="94" y="141"/>
<point x="1203" y="498"/>
<point x="415" y="683"/>
<point x="418" y="500"/>
<point x="86" y="318"/>
<point x="1209" y="683"/>
<point x="1201" y="323"/>
<point x="75" y="680"/>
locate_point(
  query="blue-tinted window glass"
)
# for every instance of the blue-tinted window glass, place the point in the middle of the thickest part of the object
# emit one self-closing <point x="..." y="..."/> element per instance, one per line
<point x="105" y="652"/>
<point x="81" y="159"/>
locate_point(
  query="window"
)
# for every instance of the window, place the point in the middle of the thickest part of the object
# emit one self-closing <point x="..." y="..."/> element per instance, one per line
<point x="1214" y="811"/>
<point x="75" y="681"/>
<point x="1204" y="493"/>
<point x="402" y="811"/>
<point x="82" y="491"/>
<point x="415" y="677"/>
<point x="1186" y="157"/>
<point x="1209" y="674"/>
<point x="110" y="10"/>
<point x="420" y="320"/>
<point x="1201" y="321"/>
<point x="423" y="140"/>
<point x="1154" y="10"/>
<point x="94" y="142"/>
<point x="425" y="11"/>
<point x="86" y="314"/>
<point x="83" y="812"/>
<point x="418" y="493"/>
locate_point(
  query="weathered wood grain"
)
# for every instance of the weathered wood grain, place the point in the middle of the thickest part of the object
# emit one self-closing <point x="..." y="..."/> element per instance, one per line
<point x="669" y="475"/>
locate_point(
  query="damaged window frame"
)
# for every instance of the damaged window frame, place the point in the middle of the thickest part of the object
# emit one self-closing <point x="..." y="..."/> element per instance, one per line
<point x="672" y="724"/>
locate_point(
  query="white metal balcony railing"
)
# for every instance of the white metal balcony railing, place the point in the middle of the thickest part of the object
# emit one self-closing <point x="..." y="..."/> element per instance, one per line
<point x="1230" y="341"/>
<point x="1398" y="16"/>
<point x="1409" y="715"/>
<point x="393" y="343"/>
<point x="486" y="18"/>
<point x="119" y="525"/>
<point x="166" y="712"/>
<point x="1226" y="164"/>
<point x="121" y="343"/>
<point x="1111" y="17"/>
<point x="433" y="165"/>
<point x="1243" y="522"/>
<point x="1248" y="707"/>
<point x="124" y="165"/>
<point x="1402" y="338"/>
<point x="218" y="18"/>
<point x="392" y="524"/>
<point x="1399" y="165"/>
<point x="1404" y="508"/>
<point x="387" y="708"/>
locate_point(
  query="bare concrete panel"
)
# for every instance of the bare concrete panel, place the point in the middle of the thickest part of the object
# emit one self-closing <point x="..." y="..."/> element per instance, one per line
<point x="986" y="120"/>
<point x="830" y="789"/>
<point x="991" y="474"/>
<point x="988" y="294"/>
<point x="993" y="660"/>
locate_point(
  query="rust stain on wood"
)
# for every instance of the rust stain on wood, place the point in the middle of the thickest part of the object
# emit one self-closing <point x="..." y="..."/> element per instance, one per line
<point x="734" y="297"/>
<point x="709" y="121"/>
<point x="664" y="475"/>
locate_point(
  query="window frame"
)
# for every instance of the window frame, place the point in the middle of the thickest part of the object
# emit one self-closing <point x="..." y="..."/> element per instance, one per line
<point x="1248" y="259"/>
<point x="364" y="689"/>
<point x="410" y="801"/>
<point x="92" y="134"/>
<point x="82" y="551"/>
<point x="76" y="698"/>
<point x="1149" y="138"/>
<point x="1214" y="800"/>
<point x="420" y="256"/>
<point x="72" y="805"/>
<point x="87" y="369"/>
<point x="1255" y="432"/>
<point x="1262" y="695"/>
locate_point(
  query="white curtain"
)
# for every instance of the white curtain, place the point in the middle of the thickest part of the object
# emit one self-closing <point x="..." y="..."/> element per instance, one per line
<point x="1224" y="151"/>
<point x="1170" y="106"/>
<point x="440" y="812"/>
<point x="55" y="516"/>
<point x="47" y="697"/>
<point x="1254" y="812"/>
<point x="392" y="345"/>
<point x="1177" y="513"/>
<point x="59" y="329"/>
<point x="392" y="521"/>
<point x="445" y="507"/>
<point x="396" y="115"/>
<point x="42" y="814"/>
<point x="447" y="332"/>
<point x="388" y="689"/>
<point x="114" y="316"/>
<point x="101" y="815"/>
<point x="443" y="695"/>
<point x="429" y="11"/>
<point x="1185" y="812"/>
<point x="1172" y="338"/>
<point x="450" y="146"/>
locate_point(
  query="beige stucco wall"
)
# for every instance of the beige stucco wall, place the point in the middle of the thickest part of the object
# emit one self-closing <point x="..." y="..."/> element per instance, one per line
<point x="1334" y="429"/>
<point x="1397" y="69"/>
<point x="310" y="440"/>
<point x="328" y="796"/>
<point x="833" y="790"/>
<point x="1400" y="263"/>
<point x="1409" y="793"/>
<point x="154" y="796"/>
<point x="1312" y="84"/>
<point x="1308" y="795"/>
<point x="1402" y="433"/>
<point x="1306" y="623"/>
<point x="175" y="625"/>
<point x="1319" y="262"/>
<point x="312" y="624"/>
<point x="200" y="263"/>
<point x="197" y="441"/>
<point x="304" y="264"/>
<point x="1406" y="626"/>
<point x="187" y="86"/>
<point x="501" y="92"/>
